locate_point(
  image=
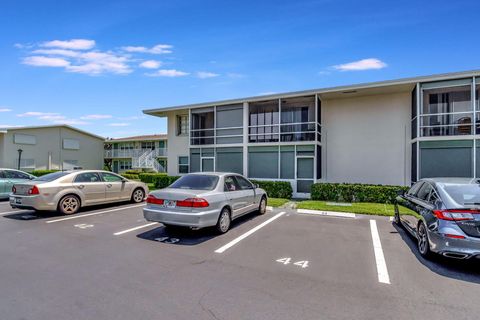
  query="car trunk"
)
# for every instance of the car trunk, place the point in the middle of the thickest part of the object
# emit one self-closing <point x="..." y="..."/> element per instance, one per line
<point x="22" y="188"/>
<point x="471" y="227"/>
<point x="176" y="195"/>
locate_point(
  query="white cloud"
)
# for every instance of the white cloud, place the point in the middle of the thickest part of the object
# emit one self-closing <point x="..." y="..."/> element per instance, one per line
<point x="74" y="44"/>
<point x="131" y="118"/>
<point x="58" y="52"/>
<point x="267" y="93"/>
<point x="5" y="109"/>
<point x="55" y="117"/>
<point x="71" y="122"/>
<point x="36" y="114"/>
<point x="96" y="116"/>
<point x="168" y="73"/>
<point x="6" y="126"/>
<point x="119" y="124"/>
<point x="42" y="61"/>
<point x="157" y="49"/>
<point x="97" y="62"/>
<point x="150" y="64"/>
<point x="206" y="75"/>
<point x="365" y="64"/>
<point x="235" y="75"/>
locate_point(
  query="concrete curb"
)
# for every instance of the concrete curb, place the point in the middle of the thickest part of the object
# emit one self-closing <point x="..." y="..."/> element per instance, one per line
<point x="328" y="213"/>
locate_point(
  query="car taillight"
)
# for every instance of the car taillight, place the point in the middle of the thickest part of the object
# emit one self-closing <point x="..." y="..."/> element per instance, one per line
<point x="33" y="190"/>
<point x="455" y="214"/>
<point x="193" y="202"/>
<point x="153" y="200"/>
<point x="14" y="190"/>
<point x="454" y="236"/>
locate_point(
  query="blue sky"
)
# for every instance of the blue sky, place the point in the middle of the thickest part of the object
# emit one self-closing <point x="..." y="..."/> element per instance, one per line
<point x="97" y="64"/>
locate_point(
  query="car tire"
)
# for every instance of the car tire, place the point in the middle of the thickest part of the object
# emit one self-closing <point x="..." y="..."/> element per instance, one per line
<point x="224" y="221"/>
<point x="262" y="207"/>
<point x="138" y="195"/>
<point x="69" y="204"/>
<point x="422" y="241"/>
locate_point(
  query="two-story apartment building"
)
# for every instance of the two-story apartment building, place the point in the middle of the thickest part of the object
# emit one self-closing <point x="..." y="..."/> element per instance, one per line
<point x="139" y="152"/>
<point x="55" y="147"/>
<point x="390" y="132"/>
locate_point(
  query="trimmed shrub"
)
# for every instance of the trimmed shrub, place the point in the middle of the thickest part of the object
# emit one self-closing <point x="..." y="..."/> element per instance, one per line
<point x="355" y="192"/>
<point x="39" y="173"/>
<point x="130" y="176"/>
<point x="150" y="177"/>
<point x="133" y="171"/>
<point x="163" y="181"/>
<point x="276" y="189"/>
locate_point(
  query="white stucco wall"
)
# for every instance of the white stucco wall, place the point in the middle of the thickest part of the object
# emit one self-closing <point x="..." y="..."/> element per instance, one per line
<point x="177" y="145"/>
<point x="367" y="139"/>
<point x="50" y="141"/>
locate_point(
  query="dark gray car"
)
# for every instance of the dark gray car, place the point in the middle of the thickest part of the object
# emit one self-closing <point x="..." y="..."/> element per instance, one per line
<point x="444" y="215"/>
<point x="199" y="200"/>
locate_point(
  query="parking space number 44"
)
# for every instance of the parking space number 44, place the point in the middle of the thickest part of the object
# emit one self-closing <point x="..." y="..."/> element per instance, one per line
<point x="301" y="263"/>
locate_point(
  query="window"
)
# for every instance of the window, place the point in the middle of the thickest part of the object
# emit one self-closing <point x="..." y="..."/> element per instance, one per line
<point x="125" y="165"/>
<point x="87" y="177"/>
<point x="244" y="183"/>
<point x="424" y="192"/>
<point x="26" y="164"/>
<point x="126" y="146"/>
<point x="447" y="111"/>
<point x="229" y="124"/>
<point x="229" y="160"/>
<point x="287" y="162"/>
<point x="202" y="126"/>
<point x="70" y="164"/>
<point x="263" y="121"/>
<point x="182" y="165"/>
<point x="182" y="125"/>
<point x="231" y="184"/>
<point x="298" y="119"/>
<point x="110" y="177"/>
<point x="413" y="190"/>
<point x="2" y="175"/>
<point x="11" y="174"/>
<point x="452" y="158"/>
<point x="263" y="162"/>
<point x="71" y="144"/>
<point x="196" y="182"/>
<point x="19" y="138"/>
<point x="148" y="145"/>
<point x="52" y="176"/>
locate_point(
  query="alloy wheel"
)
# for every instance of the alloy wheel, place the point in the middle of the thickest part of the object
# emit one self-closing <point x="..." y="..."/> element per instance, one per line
<point x="224" y="222"/>
<point x="422" y="239"/>
<point x="69" y="205"/>
<point x="138" y="196"/>
<point x="263" y="206"/>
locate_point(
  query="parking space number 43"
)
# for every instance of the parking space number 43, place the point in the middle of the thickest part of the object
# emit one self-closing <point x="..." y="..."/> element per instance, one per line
<point x="301" y="263"/>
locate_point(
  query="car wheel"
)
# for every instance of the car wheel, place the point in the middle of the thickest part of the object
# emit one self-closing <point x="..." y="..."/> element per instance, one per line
<point x="138" y="195"/>
<point x="224" y="221"/>
<point x="422" y="237"/>
<point x="262" y="208"/>
<point x="70" y="204"/>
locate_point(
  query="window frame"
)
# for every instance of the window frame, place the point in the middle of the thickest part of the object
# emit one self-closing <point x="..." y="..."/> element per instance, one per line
<point x="183" y="164"/>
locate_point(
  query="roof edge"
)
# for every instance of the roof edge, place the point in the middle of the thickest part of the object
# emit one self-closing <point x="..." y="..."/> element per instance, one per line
<point x="52" y="126"/>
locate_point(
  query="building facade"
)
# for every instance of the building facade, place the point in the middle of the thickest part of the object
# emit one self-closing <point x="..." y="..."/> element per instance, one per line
<point x="147" y="152"/>
<point x="58" y="147"/>
<point x="391" y="132"/>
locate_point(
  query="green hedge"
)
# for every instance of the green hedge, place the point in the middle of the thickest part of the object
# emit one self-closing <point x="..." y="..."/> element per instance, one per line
<point x="130" y="176"/>
<point x="276" y="189"/>
<point x="39" y="173"/>
<point x="355" y="192"/>
<point x="150" y="177"/>
<point x="164" y="181"/>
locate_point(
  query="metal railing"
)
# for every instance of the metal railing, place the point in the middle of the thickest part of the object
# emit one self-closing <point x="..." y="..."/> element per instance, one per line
<point x="133" y="153"/>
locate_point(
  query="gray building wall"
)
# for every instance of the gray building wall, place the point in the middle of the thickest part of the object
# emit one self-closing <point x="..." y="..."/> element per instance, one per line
<point x="48" y="152"/>
<point x="367" y="139"/>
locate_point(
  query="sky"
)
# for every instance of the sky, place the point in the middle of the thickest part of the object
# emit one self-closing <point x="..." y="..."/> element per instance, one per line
<point x="96" y="65"/>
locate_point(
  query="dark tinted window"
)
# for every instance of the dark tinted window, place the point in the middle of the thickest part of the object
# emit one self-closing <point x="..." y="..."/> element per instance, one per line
<point x="244" y="183"/>
<point x="52" y="176"/>
<point x="196" y="182"/>
<point x="464" y="194"/>
<point x="231" y="184"/>
<point x="87" y="177"/>
<point x="424" y="192"/>
<point x="2" y="175"/>
<point x="10" y="174"/>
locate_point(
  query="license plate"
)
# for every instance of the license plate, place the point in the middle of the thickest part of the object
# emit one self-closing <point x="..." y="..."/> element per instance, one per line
<point x="18" y="200"/>
<point x="169" y="203"/>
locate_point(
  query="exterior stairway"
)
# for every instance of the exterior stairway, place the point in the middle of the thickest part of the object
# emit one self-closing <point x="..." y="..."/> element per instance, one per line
<point x="148" y="160"/>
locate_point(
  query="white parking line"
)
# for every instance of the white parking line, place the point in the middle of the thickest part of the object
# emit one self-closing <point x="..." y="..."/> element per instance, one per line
<point x="17" y="211"/>
<point x="379" y="257"/>
<point x="246" y="234"/>
<point x="136" y="228"/>
<point x="94" y="213"/>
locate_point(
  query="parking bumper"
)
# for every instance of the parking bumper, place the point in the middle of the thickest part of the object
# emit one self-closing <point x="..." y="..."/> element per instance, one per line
<point x="470" y="246"/>
<point x="36" y="202"/>
<point x="190" y="219"/>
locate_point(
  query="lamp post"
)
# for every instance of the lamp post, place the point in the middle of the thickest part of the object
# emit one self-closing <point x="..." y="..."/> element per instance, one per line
<point x="19" y="157"/>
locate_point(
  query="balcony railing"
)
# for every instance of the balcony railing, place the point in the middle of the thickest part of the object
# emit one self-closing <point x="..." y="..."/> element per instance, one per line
<point x="134" y="153"/>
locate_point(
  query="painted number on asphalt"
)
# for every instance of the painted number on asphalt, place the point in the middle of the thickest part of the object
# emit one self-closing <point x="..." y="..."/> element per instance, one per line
<point x="83" y="226"/>
<point x="167" y="240"/>
<point x="301" y="263"/>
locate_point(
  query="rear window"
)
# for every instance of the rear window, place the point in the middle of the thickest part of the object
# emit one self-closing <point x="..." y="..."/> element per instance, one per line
<point x="52" y="176"/>
<point x="196" y="182"/>
<point x="464" y="194"/>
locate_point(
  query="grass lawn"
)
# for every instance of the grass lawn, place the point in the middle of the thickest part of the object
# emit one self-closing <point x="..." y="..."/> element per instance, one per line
<point x="360" y="207"/>
<point x="276" y="202"/>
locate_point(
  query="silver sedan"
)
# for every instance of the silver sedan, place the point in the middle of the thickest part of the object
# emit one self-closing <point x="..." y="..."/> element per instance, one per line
<point x="201" y="200"/>
<point x="68" y="191"/>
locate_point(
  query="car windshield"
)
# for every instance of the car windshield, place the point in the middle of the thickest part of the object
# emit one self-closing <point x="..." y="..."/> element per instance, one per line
<point x="196" y="182"/>
<point x="468" y="194"/>
<point x="52" y="176"/>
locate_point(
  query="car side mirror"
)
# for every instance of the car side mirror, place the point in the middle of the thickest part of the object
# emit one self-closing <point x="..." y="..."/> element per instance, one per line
<point x="255" y="186"/>
<point x="400" y="192"/>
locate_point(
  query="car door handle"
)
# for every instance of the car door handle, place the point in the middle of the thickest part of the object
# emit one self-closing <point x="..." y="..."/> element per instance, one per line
<point x="109" y="185"/>
<point x="81" y="186"/>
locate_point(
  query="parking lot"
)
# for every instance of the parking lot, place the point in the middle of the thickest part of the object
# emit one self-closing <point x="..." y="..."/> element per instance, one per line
<point x="109" y="263"/>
